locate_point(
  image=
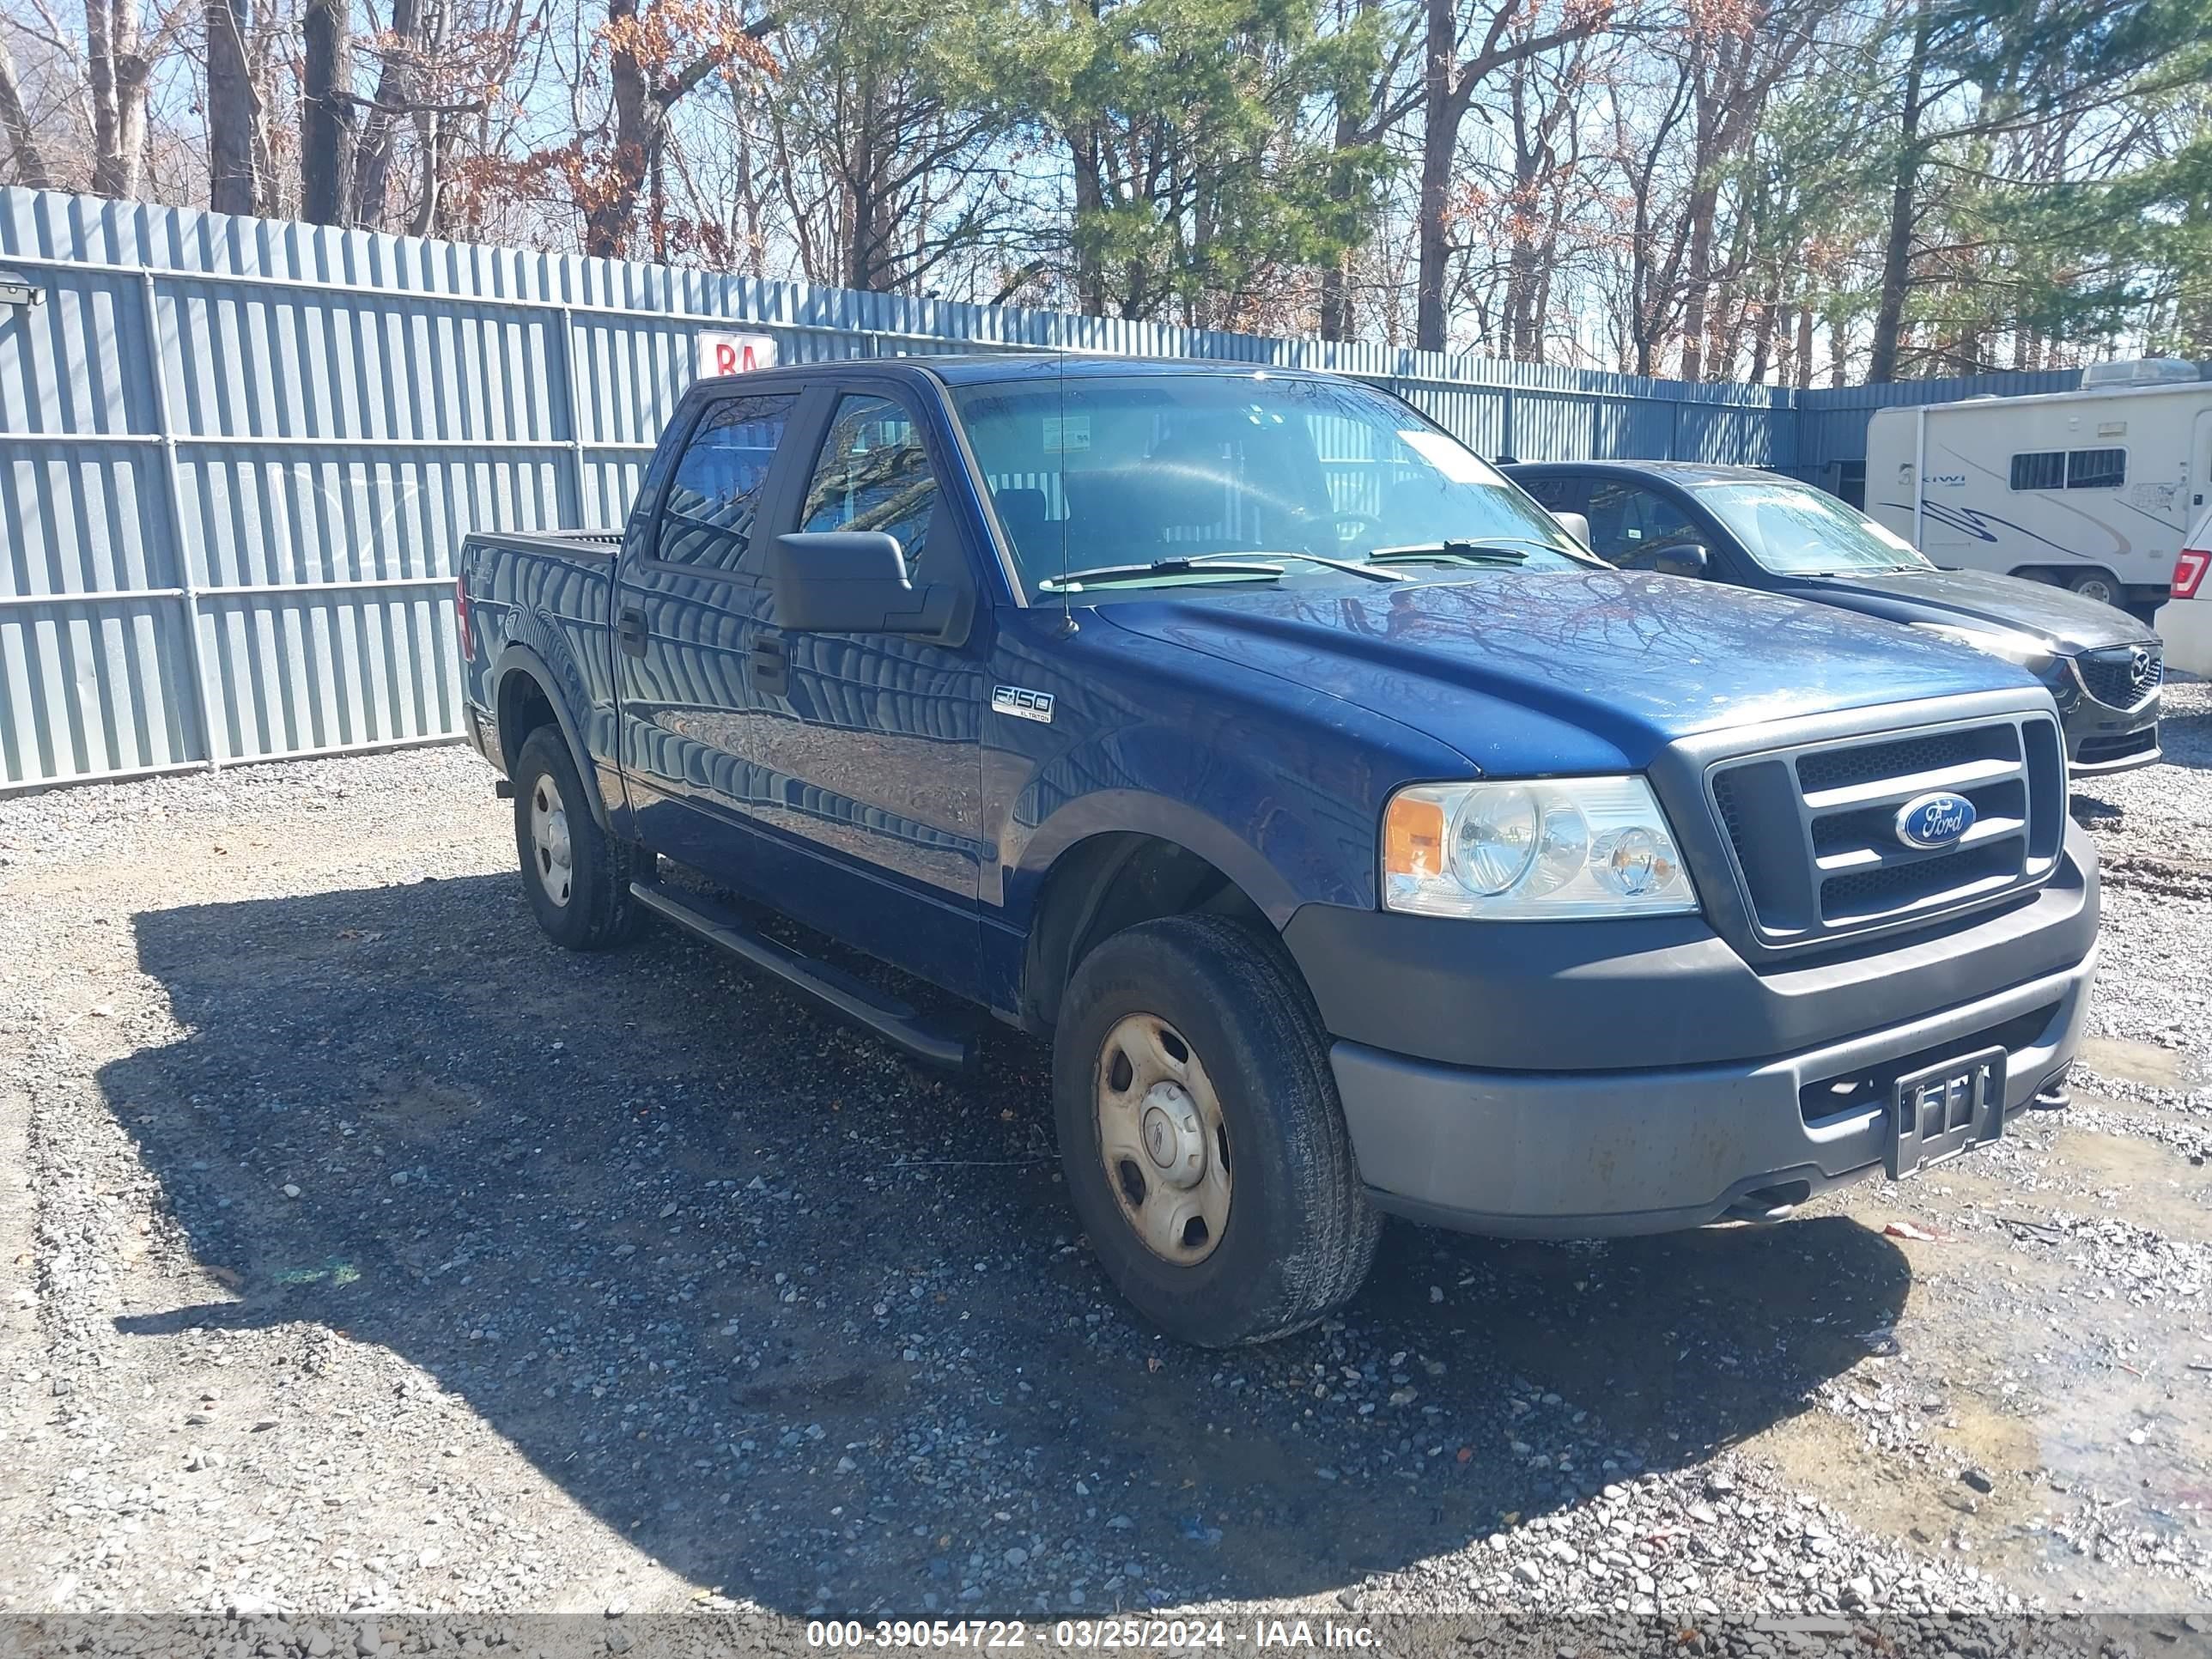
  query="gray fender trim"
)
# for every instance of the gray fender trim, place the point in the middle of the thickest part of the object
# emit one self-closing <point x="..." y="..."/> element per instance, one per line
<point x="520" y="659"/>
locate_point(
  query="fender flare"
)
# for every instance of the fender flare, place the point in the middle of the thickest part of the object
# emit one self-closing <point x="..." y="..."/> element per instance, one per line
<point x="1133" y="811"/>
<point x="519" y="658"/>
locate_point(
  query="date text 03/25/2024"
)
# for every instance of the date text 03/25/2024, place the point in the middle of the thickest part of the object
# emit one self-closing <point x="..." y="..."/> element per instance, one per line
<point x="1112" y="1634"/>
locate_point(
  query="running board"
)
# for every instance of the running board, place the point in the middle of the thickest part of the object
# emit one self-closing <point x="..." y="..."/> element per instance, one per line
<point x="831" y="987"/>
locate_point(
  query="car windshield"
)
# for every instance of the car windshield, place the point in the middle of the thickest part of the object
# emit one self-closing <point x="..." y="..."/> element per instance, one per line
<point x="1795" y="530"/>
<point x="1102" y="472"/>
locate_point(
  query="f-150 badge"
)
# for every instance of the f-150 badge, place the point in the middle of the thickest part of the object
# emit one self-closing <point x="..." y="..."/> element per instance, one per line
<point x="1021" y="703"/>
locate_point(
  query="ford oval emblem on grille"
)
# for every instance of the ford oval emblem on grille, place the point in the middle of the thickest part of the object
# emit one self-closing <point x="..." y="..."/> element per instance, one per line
<point x="1937" y="820"/>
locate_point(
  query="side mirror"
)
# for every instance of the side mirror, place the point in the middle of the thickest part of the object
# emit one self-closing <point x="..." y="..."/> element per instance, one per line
<point x="851" y="582"/>
<point x="1576" y="524"/>
<point x="1683" y="559"/>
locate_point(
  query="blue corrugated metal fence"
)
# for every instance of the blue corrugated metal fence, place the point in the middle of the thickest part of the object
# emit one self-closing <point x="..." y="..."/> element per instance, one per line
<point x="238" y="455"/>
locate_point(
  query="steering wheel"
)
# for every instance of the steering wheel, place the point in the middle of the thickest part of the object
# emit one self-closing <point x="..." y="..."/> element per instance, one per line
<point x="1347" y="524"/>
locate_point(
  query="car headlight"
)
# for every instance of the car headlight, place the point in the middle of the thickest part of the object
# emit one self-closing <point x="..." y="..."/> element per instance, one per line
<point x="2026" y="649"/>
<point x="1561" y="848"/>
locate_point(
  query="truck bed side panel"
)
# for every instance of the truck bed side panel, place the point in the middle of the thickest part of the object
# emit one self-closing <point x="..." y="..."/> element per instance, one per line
<point x="542" y="605"/>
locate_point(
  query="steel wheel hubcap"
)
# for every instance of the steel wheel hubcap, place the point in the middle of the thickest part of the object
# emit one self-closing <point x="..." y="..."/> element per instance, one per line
<point x="1162" y="1139"/>
<point x="551" y="855"/>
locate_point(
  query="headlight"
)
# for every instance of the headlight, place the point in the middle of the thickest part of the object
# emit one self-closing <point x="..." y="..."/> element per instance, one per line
<point x="1566" y="848"/>
<point x="2026" y="649"/>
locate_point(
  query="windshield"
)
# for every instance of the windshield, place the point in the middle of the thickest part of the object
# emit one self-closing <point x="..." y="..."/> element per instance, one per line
<point x="1794" y="530"/>
<point x="1139" y="469"/>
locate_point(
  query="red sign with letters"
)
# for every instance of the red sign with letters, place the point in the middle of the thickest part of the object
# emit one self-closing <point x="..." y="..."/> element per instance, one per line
<point x="735" y="353"/>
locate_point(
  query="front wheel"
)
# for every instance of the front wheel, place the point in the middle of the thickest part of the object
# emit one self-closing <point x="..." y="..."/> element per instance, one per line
<point x="1203" y="1141"/>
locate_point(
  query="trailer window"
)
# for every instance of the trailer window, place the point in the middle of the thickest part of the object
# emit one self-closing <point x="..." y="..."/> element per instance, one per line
<point x="2096" y="469"/>
<point x="2070" y="469"/>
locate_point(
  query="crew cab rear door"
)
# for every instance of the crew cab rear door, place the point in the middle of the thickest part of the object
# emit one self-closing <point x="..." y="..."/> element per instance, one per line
<point x="863" y="750"/>
<point x="689" y="601"/>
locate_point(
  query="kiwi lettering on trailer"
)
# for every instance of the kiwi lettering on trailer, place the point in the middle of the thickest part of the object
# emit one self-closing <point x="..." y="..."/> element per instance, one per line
<point x="734" y="353"/>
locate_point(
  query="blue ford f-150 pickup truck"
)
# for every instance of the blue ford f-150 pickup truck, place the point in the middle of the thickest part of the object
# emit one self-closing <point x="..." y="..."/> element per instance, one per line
<point x="1362" y="844"/>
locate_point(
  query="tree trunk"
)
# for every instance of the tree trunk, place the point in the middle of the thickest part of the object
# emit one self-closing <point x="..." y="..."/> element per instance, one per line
<point x="1762" y="339"/>
<point x="117" y="67"/>
<point x="31" y="170"/>
<point x="326" y="123"/>
<point x="1804" y="348"/>
<point x="430" y="130"/>
<point x="1337" y="322"/>
<point x="231" y="114"/>
<point x="1335" y="296"/>
<point x="871" y="226"/>
<point x="1090" y="201"/>
<point x="1441" y="114"/>
<point x="640" y="126"/>
<point x="1703" y="205"/>
<point x="395" y="88"/>
<point x="1904" y="212"/>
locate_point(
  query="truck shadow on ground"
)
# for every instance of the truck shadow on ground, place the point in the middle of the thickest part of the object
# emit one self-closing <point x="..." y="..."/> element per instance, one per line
<point x="812" y="1327"/>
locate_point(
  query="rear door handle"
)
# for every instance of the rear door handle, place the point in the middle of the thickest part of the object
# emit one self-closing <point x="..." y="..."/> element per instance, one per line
<point x="771" y="666"/>
<point x="630" y="631"/>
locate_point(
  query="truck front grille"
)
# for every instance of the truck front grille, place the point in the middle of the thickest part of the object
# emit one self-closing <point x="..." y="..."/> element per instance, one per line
<point x="2118" y="679"/>
<point x="1812" y="829"/>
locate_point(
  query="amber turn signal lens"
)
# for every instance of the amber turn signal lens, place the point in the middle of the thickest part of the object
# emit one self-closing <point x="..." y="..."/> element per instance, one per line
<point x="1414" y="838"/>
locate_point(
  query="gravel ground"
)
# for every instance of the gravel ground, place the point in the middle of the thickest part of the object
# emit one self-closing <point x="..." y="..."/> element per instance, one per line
<point x="375" y="1258"/>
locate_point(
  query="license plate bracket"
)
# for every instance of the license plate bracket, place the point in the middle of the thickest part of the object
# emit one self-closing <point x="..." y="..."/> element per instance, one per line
<point x="1939" y="1111"/>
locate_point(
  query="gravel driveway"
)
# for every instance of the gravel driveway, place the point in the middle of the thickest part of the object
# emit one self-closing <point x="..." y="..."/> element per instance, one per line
<point x="373" y="1255"/>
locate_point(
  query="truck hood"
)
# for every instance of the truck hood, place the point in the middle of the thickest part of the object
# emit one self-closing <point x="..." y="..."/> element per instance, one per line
<point x="2065" y="620"/>
<point x="1562" y="672"/>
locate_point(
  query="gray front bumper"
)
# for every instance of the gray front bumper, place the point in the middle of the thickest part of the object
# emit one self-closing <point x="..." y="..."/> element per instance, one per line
<point x="1583" y="1154"/>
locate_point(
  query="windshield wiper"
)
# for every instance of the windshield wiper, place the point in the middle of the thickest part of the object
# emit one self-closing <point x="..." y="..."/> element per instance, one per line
<point x="1356" y="567"/>
<point x="1233" y="565"/>
<point x="1099" y="575"/>
<point x="1464" y="552"/>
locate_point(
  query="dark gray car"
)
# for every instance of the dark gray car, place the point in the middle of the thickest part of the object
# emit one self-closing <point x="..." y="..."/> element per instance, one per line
<point x="1754" y="529"/>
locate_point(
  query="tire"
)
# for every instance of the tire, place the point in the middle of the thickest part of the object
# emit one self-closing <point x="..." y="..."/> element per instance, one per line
<point x="1296" y="1234"/>
<point x="2098" y="585"/>
<point x="583" y="903"/>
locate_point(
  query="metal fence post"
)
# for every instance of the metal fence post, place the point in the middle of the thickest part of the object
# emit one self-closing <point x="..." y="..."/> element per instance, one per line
<point x="203" y="701"/>
<point x="575" y="411"/>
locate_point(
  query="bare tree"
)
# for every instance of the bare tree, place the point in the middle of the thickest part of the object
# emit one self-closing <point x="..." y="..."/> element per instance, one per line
<point x="120" y="53"/>
<point x="1503" y="33"/>
<point x="232" y="108"/>
<point x="24" y="151"/>
<point x="374" y="151"/>
<point x="326" y="126"/>
<point x="657" y="55"/>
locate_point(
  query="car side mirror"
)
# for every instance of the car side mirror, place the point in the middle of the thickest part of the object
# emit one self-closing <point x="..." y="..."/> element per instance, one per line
<point x="1683" y="559"/>
<point x="1576" y="524"/>
<point x="852" y="581"/>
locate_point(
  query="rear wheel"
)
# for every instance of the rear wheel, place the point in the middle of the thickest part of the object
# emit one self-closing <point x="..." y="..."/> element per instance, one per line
<point x="575" y="876"/>
<point x="1204" y="1145"/>
<point x="2098" y="585"/>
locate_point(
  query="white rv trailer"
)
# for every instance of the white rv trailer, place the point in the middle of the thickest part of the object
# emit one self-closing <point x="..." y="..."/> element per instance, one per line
<point x="2092" y="487"/>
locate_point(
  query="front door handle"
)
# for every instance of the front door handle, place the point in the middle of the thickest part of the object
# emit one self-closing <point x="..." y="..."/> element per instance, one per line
<point x="771" y="666"/>
<point x="630" y="631"/>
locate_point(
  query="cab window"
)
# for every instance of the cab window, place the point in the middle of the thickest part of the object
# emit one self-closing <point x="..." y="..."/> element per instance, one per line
<point x="1558" y="494"/>
<point x="873" y="472"/>
<point x="706" y="516"/>
<point x="1628" y="521"/>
